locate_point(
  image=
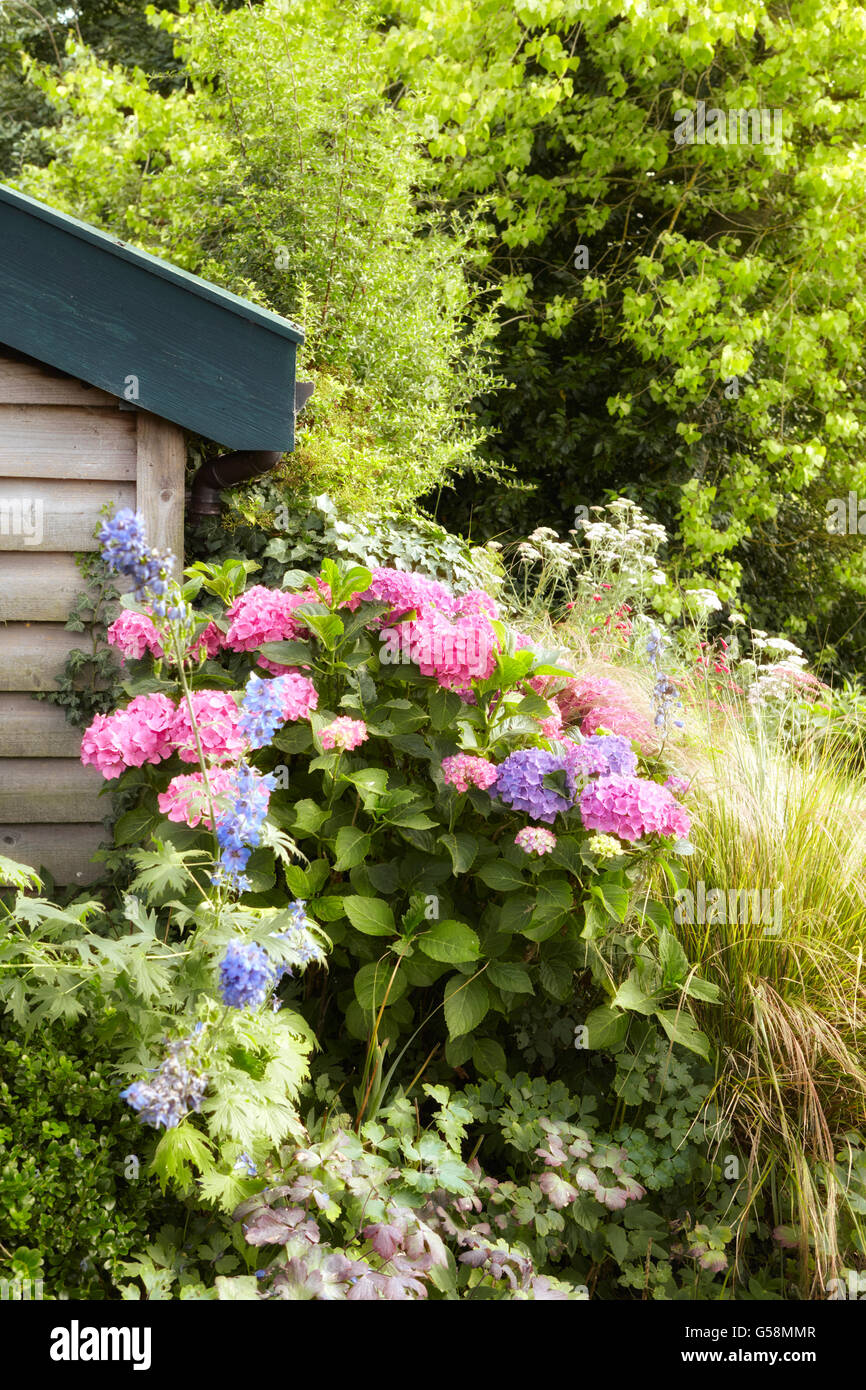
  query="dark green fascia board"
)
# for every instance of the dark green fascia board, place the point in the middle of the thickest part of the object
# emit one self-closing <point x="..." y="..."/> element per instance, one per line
<point x="123" y="320"/>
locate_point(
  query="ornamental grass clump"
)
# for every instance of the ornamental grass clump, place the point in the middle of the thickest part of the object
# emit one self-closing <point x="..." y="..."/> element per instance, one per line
<point x="780" y="838"/>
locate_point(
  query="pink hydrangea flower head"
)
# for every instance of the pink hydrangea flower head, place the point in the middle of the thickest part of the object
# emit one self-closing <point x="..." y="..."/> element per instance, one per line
<point x="406" y="593"/>
<point x="217" y="717"/>
<point x="134" y="634"/>
<point x="211" y="640"/>
<point x="463" y="771"/>
<point x="298" y="695"/>
<point x="632" y="807"/>
<point x="343" y="734"/>
<point x="476" y="602"/>
<point x="582" y="693"/>
<point x="148" y="724"/>
<point x="264" y="615"/>
<point x="102" y="747"/>
<point x="620" y="719"/>
<point x="454" y="653"/>
<point x="141" y="733"/>
<point x="551" y="725"/>
<point x="534" y="839"/>
<point x="678" y="785"/>
<point x="276" y="668"/>
<point x="185" y="800"/>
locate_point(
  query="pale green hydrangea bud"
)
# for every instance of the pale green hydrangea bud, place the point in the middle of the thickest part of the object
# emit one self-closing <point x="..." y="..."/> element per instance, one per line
<point x="605" y="846"/>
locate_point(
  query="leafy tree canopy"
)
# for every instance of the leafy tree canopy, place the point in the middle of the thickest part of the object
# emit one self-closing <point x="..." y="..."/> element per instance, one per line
<point x="278" y="169"/>
<point x="682" y="317"/>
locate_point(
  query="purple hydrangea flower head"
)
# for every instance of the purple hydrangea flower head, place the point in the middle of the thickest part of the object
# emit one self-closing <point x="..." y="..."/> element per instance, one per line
<point x="632" y="807"/>
<point x="246" y="975"/>
<point x="603" y="754"/>
<point x="520" y="783"/>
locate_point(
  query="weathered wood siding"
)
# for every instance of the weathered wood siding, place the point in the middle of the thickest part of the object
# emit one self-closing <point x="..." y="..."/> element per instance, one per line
<point x="65" y="450"/>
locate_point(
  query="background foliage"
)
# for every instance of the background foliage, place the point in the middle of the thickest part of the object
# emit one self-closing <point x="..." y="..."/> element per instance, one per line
<point x="706" y="262"/>
<point x="276" y="169"/>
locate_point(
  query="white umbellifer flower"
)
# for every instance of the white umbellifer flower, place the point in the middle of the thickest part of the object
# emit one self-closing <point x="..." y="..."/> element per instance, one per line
<point x="781" y="644"/>
<point x="736" y="619"/>
<point x="707" y="600"/>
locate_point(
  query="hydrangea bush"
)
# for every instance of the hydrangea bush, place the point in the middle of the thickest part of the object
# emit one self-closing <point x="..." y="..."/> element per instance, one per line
<point x="368" y="795"/>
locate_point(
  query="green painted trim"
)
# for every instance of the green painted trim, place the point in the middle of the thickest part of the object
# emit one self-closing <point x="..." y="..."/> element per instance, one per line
<point x="99" y="310"/>
<point x="194" y="283"/>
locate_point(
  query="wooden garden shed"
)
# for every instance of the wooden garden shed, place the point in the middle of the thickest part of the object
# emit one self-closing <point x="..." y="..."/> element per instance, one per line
<point x="108" y="356"/>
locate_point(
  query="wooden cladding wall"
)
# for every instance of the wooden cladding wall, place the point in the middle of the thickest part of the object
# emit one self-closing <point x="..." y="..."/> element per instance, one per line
<point x="65" y="450"/>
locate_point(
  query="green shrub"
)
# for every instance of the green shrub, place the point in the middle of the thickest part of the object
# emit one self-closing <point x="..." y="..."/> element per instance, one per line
<point x="280" y="170"/>
<point x="75" y="1200"/>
